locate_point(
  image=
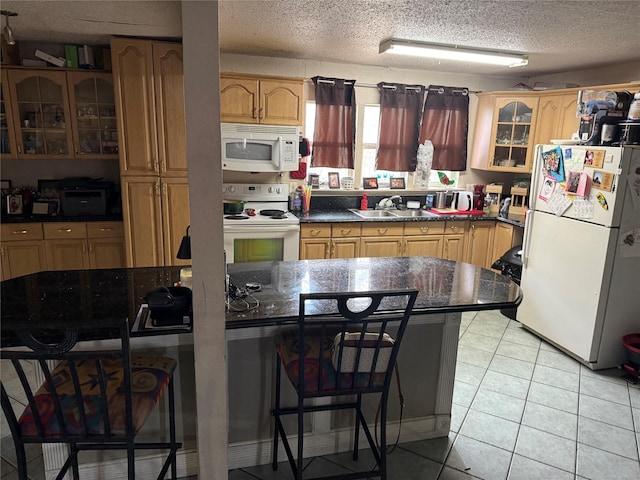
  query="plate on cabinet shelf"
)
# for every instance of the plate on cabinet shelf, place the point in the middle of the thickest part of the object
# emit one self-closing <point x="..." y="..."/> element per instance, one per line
<point x="564" y="142"/>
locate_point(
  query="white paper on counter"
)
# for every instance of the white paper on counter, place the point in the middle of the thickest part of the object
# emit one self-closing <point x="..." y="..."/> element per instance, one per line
<point x="558" y="203"/>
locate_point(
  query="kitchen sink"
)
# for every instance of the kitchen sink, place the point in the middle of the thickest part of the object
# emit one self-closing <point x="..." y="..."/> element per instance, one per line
<point x="412" y="213"/>
<point x="372" y="213"/>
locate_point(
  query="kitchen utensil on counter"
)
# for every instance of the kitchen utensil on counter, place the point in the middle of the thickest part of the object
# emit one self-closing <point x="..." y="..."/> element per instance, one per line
<point x="441" y="200"/>
<point x="233" y="206"/>
<point x="465" y="201"/>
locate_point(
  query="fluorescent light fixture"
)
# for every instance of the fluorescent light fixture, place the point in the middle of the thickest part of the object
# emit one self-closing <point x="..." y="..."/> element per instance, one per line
<point x="452" y="52"/>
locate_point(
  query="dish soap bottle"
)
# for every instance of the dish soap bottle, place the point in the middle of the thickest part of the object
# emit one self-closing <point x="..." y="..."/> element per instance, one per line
<point x="364" y="203"/>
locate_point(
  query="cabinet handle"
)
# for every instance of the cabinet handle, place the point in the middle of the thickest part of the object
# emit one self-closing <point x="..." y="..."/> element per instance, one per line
<point x="3" y="251"/>
<point x="424" y="229"/>
<point x="254" y="114"/>
<point x="164" y="189"/>
<point x="346" y="231"/>
<point x="84" y="248"/>
<point x="382" y="231"/>
<point x="19" y="148"/>
<point x="156" y="189"/>
<point x="19" y="232"/>
<point x="103" y="229"/>
<point x="64" y="230"/>
<point x="455" y="229"/>
<point x="260" y="114"/>
<point x="330" y="250"/>
<point x="314" y="232"/>
<point x="91" y="248"/>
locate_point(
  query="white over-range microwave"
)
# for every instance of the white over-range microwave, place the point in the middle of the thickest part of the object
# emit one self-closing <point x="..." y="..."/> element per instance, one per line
<point x="259" y="148"/>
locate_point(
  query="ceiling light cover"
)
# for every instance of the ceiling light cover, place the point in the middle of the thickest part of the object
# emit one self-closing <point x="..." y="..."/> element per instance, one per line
<point x="452" y="52"/>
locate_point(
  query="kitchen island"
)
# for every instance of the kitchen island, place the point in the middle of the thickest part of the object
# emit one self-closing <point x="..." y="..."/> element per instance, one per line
<point x="266" y="299"/>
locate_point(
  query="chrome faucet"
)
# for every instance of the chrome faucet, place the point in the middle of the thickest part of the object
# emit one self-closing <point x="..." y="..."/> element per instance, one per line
<point x="387" y="202"/>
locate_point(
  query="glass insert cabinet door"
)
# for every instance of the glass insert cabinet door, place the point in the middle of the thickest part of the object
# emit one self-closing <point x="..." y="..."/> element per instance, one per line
<point x="513" y="134"/>
<point x="7" y="140"/>
<point x="93" y="114"/>
<point x="40" y="106"/>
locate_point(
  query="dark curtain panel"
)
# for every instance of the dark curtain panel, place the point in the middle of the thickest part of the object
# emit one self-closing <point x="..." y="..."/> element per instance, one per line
<point x="445" y="123"/>
<point x="334" y="137"/>
<point x="400" y="109"/>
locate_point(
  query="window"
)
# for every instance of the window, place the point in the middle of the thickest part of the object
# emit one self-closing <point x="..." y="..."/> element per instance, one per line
<point x="366" y="147"/>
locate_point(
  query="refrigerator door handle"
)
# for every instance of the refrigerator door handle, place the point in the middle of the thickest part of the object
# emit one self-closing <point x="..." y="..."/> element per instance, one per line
<point x="526" y="242"/>
<point x="536" y="173"/>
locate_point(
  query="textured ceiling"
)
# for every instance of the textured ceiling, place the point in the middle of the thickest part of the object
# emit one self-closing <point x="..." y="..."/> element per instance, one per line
<point x="558" y="36"/>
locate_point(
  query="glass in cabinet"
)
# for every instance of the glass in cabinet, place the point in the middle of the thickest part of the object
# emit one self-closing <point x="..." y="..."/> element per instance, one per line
<point x="93" y="114"/>
<point x="512" y="134"/>
<point x="41" y="113"/>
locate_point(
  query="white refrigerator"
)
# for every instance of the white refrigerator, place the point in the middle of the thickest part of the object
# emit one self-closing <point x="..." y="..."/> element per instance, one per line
<point x="581" y="253"/>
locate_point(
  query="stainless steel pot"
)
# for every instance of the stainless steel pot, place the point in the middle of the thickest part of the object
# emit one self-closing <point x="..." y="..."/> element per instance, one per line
<point x="441" y="200"/>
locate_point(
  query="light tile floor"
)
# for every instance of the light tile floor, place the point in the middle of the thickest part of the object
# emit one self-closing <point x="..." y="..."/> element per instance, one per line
<point x="521" y="410"/>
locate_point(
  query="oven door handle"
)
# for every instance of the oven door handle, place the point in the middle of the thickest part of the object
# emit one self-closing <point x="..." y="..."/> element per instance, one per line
<point x="263" y="228"/>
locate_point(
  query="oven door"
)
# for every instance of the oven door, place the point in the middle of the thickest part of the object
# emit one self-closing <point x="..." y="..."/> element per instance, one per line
<point x="261" y="243"/>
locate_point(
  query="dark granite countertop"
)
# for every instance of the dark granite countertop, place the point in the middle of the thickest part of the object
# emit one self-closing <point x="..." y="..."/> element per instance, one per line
<point x="97" y="299"/>
<point x="101" y="299"/>
<point x="344" y="215"/>
<point x="60" y="218"/>
<point x="444" y="285"/>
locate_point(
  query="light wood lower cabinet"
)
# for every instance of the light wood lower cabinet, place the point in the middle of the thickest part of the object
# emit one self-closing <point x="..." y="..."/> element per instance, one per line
<point x="480" y="243"/>
<point x="381" y="239"/>
<point x="506" y="236"/>
<point x="157" y="216"/>
<point x="79" y="245"/>
<point x="322" y="241"/>
<point x="453" y="239"/>
<point x="345" y="240"/>
<point x="22" y="249"/>
<point x="423" y="239"/>
<point x="35" y="247"/>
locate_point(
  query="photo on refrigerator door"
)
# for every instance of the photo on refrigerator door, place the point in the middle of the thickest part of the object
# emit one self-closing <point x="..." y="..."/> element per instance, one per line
<point x="548" y="186"/>
<point x="602" y="180"/>
<point x="552" y="163"/>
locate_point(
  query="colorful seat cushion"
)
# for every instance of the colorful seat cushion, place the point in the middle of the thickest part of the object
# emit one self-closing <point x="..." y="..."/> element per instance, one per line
<point x="149" y="377"/>
<point x="319" y="374"/>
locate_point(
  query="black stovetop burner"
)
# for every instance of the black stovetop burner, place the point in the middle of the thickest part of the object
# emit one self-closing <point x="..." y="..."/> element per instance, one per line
<point x="273" y="213"/>
<point x="236" y="217"/>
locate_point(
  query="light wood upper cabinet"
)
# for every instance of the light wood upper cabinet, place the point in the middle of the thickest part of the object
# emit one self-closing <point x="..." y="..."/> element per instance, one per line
<point x="258" y="99"/>
<point x="41" y="121"/>
<point x="556" y="117"/>
<point x="132" y="63"/>
<point x="149" y="90"/>
<point x="8" y="147"/>
<point x="93" y="114"/>
<point x="171" y="124"/>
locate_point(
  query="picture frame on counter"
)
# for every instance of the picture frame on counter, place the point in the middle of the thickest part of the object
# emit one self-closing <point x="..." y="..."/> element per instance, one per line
<point x="370" y="183"/>
<point x="396" y="183"/>
<point x="314" y="180"/>
<point x="48" y="189"/>
<point x="14" y="204"/>
<point x="334" y="180"/>
<point x="47" y="208"/>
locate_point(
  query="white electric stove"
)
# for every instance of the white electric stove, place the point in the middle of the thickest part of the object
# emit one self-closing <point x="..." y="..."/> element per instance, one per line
<point x="271" y="233"/>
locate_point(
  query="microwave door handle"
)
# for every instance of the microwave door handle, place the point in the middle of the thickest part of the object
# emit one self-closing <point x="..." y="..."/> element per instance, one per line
<point x="277" y="157"/>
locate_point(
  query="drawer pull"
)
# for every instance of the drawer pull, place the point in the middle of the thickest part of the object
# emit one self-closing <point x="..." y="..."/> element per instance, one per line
<point x="424" y="229"/>
<point x="103" y="229"/>
<point x="455" y="229"/>
<point x="314" y="231"/>
<point x="346" y="231"/>
<point x="64" y="230"/>
<point x="19" y="232"/>
<point x="382" y="231"/>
